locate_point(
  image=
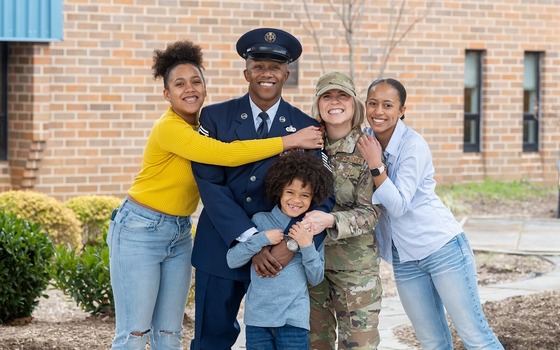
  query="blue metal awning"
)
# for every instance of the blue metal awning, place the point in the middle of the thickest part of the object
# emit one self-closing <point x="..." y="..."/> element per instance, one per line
<point x="31" y="20"/>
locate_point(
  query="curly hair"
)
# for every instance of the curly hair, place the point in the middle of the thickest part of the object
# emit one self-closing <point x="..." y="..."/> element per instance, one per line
<point x="179" y="52"/>
<point x="306" y="167"/>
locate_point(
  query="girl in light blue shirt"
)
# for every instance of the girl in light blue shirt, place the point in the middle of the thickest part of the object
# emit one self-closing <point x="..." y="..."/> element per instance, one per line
<point x="432" y="260"/>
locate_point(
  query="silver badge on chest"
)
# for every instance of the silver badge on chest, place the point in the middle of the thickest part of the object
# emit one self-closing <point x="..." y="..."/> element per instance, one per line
<point x="290" y="128"/>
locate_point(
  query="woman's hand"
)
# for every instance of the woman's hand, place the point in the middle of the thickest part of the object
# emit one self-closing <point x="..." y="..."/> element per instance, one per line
<point x="371" y="150"/>
<point x="317" y="221"/>
<point x="310" y="137"/>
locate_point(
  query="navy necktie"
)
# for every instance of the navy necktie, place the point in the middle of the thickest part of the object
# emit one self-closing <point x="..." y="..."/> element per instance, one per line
<point x="262" y="131"/>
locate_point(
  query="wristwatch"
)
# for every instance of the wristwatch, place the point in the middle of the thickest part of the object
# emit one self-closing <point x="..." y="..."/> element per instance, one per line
<point x="292" y="245"/>
<point x="377" y="171"/>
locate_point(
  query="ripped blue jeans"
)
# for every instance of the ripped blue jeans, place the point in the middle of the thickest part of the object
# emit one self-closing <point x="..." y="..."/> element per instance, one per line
<point x="150" y="265"/>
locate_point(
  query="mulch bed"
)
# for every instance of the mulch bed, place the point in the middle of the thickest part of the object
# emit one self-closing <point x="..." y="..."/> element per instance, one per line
<point x="527" y="323"/>
<point x="521" y="323"/>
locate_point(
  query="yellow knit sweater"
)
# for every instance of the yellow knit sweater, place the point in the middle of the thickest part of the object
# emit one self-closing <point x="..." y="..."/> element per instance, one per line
<point x="166" y="182"/>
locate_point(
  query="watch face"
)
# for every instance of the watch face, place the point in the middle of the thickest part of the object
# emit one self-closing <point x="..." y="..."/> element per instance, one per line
<point x="377" y="171"/>
<point x="292" y="245"/>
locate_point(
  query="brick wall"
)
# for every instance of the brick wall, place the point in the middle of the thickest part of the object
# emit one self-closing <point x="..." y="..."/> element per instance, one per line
<point x="80" y="110"/>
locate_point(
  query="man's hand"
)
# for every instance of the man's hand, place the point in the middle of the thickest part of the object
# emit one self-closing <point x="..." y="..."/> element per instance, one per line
<point x="281" y="253"/>
<point x="270" y="260"/>
<point x="265" y="264"/>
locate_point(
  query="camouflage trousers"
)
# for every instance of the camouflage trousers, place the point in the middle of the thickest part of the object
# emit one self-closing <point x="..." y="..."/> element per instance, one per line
<point x="351" y="302"/>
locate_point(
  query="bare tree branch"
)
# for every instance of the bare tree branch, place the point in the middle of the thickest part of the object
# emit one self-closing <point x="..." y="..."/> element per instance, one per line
<point x="350" y="14"/>
<point x="313" y="34"/>
<point x="392" y="41"/>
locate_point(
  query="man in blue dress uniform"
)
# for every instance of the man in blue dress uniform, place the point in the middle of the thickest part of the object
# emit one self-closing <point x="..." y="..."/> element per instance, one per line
<point x="231" y="195"/>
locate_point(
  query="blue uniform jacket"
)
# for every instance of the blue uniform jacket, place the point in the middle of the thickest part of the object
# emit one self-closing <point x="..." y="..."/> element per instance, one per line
<point x="232" y="195"/>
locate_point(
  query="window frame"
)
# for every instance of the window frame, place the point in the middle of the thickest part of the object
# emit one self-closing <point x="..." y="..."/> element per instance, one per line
<point x="533" y="117"/>
<point x="476" y="117"/>
<point x="3" y="101"/>
<point x="293" y="80"/>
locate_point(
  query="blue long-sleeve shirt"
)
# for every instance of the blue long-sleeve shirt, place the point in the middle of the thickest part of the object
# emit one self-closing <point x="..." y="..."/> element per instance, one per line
<point x="281" y="300"/>
<point x="413" y="217"/>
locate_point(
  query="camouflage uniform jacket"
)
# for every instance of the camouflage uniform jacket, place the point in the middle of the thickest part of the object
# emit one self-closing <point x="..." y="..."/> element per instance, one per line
<point x="351" y="244"/>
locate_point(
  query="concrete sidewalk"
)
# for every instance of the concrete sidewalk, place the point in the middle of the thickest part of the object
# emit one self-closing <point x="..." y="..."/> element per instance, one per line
<point x="503" y="235"/>
<point x="519" y="236"/>
<point x="393" y="315"/>
<point x="514" y="236"/>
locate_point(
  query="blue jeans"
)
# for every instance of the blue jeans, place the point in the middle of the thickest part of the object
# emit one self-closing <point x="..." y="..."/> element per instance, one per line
<point x="277" y="338"/>
<point x="445" y="280"/>
<point x="150" y="264"/>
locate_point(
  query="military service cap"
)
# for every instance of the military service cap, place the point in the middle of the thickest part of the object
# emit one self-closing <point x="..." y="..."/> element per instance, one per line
<point x="335" y="80"/>
<point x="269" y="44"/>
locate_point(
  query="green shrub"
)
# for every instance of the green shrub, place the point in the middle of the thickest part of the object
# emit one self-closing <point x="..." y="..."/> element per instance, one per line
<point x="25" y="258"/>
<point x="94" y="213"/>
<point x="55" y="219"/>
<point x="84" y="276"/>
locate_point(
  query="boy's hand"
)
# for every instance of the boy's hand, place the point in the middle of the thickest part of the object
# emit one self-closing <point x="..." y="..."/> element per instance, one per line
<point x="302" y="233"/>
<point x="275" y="236"/>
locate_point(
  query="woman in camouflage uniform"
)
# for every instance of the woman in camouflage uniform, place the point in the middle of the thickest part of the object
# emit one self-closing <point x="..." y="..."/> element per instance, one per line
<point x="349" y="298"/>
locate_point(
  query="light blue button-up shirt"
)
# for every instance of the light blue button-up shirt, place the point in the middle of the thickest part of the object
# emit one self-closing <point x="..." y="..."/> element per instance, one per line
<point x="271" y="113"/>
<point x="413" y="218"/>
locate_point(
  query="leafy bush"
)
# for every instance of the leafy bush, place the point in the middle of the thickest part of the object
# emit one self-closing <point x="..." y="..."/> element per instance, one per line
<point x="57" y="221"/>
<point x="94" y="213"/>
<point x="84" y="276"/>
<point x="25" y="258"/>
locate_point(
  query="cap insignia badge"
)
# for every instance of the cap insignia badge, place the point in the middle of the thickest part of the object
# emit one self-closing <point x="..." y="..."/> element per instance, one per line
<point x="270" y="37"/>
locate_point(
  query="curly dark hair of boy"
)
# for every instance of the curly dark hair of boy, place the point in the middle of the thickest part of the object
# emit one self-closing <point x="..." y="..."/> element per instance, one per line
<point x="306" y="167"/>
<point x="179" y="52"/>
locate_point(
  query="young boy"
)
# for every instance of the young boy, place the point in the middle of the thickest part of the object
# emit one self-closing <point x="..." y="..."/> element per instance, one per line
<point x="277" y="309"/>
